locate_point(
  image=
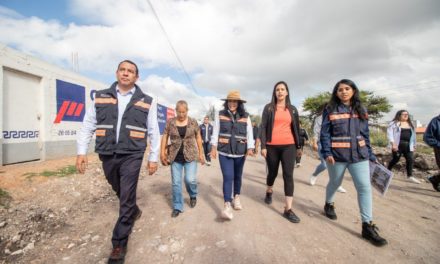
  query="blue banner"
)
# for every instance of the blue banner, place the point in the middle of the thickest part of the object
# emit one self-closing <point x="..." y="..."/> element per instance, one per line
<point x="161" y="117"/>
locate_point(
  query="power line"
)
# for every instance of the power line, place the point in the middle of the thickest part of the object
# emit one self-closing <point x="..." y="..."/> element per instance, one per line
<point x="172" y="47"/>
<point x="408" y="85"/>
<point x="390" y="92"/>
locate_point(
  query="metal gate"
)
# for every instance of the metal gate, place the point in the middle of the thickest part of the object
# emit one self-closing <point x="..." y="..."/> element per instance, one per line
<point x="21" y="125"/>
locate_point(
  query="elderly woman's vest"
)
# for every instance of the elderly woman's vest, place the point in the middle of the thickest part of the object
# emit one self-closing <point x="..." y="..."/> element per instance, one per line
<point x="232" y="137"/>
<point x="133" y="130"/>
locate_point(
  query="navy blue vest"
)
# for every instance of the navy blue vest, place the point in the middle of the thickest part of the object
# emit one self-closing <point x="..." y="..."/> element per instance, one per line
<point x="133" y="130"/>
<point x="232" y="137"/>
<point x="347" y="142"/>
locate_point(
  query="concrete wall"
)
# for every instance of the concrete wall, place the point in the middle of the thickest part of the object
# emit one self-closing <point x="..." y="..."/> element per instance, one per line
<point x="53" y="139"/>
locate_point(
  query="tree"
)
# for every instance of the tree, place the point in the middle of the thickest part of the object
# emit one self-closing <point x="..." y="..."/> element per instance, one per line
<point x="376" y="105"/>
<point x="211" y="112"/>
<point x="314" y="104"/>
<point x="256" y="119"/>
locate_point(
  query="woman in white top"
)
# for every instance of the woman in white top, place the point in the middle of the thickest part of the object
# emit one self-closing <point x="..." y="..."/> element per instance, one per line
<point x="402" y="138"/>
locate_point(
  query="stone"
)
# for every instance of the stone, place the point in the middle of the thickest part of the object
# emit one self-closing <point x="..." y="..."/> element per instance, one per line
<point x="221" y="244"/>
<point x="200" y="249"/>
<point x="7" y="251"/>
<point x="29" y="247"/>
<point x="71" y="245"/>
<point x="86" y="237"/>
<point x="163" y="248"/>
<point x="16" y="238"/>
<point x="175" y="247"/>
<point x="3" y="224"/>
<point x="18" y="252"/>
<point x="95" y="238"/>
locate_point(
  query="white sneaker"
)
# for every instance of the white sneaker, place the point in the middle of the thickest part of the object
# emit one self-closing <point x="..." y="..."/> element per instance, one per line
<point x="208" y="163"/>
<point x="313" y="179"/>
<point x="341" y="189"/>
<point x="413" y="180"/>
<point x="298" y="165"/>
<point x="236" y="203"/>
<point x="227" y="211"/>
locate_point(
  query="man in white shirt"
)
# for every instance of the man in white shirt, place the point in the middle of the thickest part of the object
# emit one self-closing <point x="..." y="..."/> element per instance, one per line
<point x="122" y="116"/>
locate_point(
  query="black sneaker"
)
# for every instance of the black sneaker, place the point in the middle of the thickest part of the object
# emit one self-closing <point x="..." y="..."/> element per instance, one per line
<point x="268" y="198"/>
<point x="192" y="202"/>
<point x="117" y="255"/>
<point x="291" y="216"/>
<point x="434" y="180"/>
<point x="138" y="215"/>
<point x="175" y="213"/>
<point x="369" y="232"/>
<point x="329" y="210"/>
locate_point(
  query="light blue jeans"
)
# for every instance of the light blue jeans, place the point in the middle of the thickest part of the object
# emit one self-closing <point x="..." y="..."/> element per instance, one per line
<point x="322" y="166"/>
<point x="360" y="172"/>
<point x="190" y="177"/>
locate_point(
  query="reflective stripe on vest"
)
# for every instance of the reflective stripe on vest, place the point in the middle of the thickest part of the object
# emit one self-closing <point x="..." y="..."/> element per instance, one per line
<point x="142" y="104"/>
<point x="223" y="140"/>
<point x="136" y="134"/>
<point x="341" y="145"/>
<point x="106" y="101"/>
<point x="225" y="118"/>
<point x="136" y="128"/>
<point x="100" y="132"/>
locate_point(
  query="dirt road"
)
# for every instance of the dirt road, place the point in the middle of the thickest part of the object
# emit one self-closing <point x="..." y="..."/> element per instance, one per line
<point x="69" y="220"/>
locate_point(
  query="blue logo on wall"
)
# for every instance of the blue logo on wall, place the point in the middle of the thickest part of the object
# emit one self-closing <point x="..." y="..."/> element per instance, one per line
<point x="70" y="102"/>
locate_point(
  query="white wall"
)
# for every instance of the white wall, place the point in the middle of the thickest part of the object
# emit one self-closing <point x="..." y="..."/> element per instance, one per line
<point x="53" y="141"/>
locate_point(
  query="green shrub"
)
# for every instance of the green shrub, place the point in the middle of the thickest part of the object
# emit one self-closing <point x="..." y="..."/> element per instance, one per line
<point x="378" y="138"/>
<point x="68" y="170"/>
<point x="5" y="198"/>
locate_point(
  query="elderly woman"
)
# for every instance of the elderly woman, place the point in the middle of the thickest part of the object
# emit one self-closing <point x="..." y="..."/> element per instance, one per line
<point x="233" y="139"/>
<point x="183" y="152"/>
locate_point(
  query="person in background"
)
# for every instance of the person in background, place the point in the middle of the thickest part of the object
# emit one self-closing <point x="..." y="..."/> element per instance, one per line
<point x="122" y="116"/>
<point x="233" y="140"/>
<point x="345" y="140"/>
<point x="432" y="138"/>
<point x="256" y="134"/>
<point x="183" y="152"/>
<point x="206" y="130"/>
<point x="402" y="138"/>
<point x="280" y="143"/>
<point x="316" y="145"/>
<point x="303" y="138"/>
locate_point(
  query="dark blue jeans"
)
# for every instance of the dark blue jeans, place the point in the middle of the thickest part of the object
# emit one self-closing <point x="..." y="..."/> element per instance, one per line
<point x="207" y="150"/>
<point x="232" y="170"/>
<point x="122" y="173"/>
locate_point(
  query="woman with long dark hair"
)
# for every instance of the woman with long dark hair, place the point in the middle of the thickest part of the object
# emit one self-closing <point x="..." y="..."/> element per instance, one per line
<point x="233" y="139"/>
<point x="280" y="143"/>
<point x="345" y="141"/>
<point x="402" y="138"/>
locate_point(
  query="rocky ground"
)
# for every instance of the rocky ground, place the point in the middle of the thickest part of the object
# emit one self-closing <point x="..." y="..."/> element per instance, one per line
<point x="69" y="220"/>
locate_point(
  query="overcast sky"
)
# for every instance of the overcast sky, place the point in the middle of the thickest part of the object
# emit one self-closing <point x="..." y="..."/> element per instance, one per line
<point x="389" y="47"/>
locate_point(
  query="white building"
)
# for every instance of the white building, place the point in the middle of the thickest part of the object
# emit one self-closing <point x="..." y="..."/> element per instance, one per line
<point x="42" y="107"/>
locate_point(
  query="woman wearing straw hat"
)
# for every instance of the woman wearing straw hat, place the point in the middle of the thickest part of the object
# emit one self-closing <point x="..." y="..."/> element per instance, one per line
<point x="232" y="138"/>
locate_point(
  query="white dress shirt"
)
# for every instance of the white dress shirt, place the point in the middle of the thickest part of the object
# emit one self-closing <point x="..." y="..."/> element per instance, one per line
<point x="89" y="125"/>
<point x="249" y="136"/>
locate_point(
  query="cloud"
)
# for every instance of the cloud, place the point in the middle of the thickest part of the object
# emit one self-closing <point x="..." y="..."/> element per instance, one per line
<point x="250" y="45"/>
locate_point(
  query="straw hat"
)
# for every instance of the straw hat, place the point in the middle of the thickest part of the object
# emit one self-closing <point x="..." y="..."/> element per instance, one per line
<point x="234" y="95"/>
